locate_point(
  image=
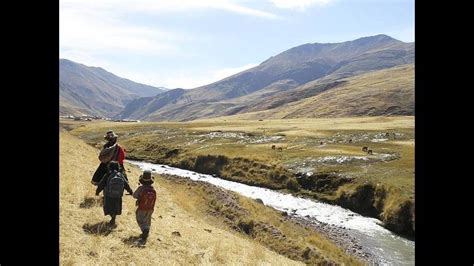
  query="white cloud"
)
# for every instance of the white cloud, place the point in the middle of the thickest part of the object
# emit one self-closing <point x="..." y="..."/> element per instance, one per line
<point x="298" y="4"/>
<point x="163" y="6"/>
<point x="101" y="27"/>
<point x="97" y="32"/>
<point x="91" y="31"/>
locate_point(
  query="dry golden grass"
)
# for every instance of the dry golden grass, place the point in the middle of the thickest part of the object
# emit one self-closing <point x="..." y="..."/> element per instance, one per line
<point x="302" y="126"/>
<point x="198" y="200"/>
<point x="289" y="127"/>
<point x="195" y="246"/>
<point x="378" y="92"/>
<point x="300" y="144"/>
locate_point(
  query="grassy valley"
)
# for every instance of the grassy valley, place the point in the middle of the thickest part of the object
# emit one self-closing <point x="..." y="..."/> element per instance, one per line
<point x="319" y="158"/>
<point x="193" y="223"/>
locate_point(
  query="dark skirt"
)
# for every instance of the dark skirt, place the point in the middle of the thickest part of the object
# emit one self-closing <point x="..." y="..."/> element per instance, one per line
<point x="112" y="206"/>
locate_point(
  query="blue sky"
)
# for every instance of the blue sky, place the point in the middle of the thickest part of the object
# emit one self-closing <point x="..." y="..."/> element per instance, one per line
<point x="186" y="43"/>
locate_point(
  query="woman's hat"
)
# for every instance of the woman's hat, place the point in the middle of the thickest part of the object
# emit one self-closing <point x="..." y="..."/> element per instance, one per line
<point x="110" y="135"/>
<point x="146" y="177"/>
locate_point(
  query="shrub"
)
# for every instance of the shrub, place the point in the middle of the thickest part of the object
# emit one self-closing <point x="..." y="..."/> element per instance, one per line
<point x="209" y="164"/>
<point x="186" y="164"/>
<point x="238" y="173"/>
<point x="293" y="185"/>
<point x="246" y="226"/>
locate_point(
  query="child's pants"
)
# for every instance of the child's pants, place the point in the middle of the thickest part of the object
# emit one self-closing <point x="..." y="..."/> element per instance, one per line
<point x="144" y="219"/>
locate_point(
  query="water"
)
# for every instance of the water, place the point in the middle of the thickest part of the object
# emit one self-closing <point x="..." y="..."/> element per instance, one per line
<point x="388" y="248"/>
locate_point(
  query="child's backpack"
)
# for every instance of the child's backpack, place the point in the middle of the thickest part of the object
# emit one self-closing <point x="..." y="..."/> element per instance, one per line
<point x="115" y="185"/>
<point x="147" y="199"/>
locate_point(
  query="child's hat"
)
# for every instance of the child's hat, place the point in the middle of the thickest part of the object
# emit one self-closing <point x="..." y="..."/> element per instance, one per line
<point x="146" y="177"/>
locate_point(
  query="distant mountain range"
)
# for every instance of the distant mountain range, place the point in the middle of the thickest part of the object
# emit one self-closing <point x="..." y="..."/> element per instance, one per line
<point x="94" y="91"/>
<point x="335" y="72"/>
<point x="382" y="92"/>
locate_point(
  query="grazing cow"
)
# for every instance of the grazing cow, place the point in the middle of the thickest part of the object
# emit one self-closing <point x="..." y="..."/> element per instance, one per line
<point x="365" y="149"/>
<point x="273" y="147"/>
<point x="280" y="149"/>
<point x="350" y="141"/>
<point x="369" y="152"/>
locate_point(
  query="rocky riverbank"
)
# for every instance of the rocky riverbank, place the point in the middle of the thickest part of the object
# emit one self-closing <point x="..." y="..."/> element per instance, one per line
<point x="233" y="212"/>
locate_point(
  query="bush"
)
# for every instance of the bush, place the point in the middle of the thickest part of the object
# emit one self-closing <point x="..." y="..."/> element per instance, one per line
<point x="221" y="160"/>
<point x="293" y="185"/>
<point x="172" y="153"/>
<point x="209" y="164"/>
<point x="186" y="164"/>
<point x="238" y="173"/>
<point x="246" y="226"/>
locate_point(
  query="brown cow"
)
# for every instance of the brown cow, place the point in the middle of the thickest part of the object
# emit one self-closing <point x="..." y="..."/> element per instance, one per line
<point x="273" y="147"/>
<point x="280" y="149"/>
<point x="321" y="143"/>
<point x="350" y="141"/>
<point x="369" y="152"/>
<point x="365" y="149"/>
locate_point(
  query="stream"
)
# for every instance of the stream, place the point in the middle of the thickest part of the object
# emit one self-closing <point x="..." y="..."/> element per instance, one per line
<point x="387" y="247"/>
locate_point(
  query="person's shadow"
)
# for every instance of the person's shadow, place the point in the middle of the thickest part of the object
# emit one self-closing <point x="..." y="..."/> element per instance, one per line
<point x="135" y="241"/>
<point x="101" y="228"/>
<point x="91" y="202"/>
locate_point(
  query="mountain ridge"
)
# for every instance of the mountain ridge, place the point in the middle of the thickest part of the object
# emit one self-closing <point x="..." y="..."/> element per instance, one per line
<point x="295" y="67"/>
<point x="95" y="91"/>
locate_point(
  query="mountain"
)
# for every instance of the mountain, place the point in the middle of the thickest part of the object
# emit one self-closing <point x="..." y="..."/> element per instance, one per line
<point x="94" y="91"/>
<point x="302" y="71"/>
<point x="377" y="93"/>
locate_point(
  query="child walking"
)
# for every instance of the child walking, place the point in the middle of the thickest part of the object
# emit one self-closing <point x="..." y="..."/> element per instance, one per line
<point x="146" y="197"/>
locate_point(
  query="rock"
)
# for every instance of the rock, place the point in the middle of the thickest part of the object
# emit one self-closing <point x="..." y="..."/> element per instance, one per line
<point x="208" y="230"/>
<point x="259" y="200"/>
<point x="176" y="233"/>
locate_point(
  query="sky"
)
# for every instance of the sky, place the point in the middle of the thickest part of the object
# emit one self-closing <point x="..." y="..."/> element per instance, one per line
<point x="191" y="43"/>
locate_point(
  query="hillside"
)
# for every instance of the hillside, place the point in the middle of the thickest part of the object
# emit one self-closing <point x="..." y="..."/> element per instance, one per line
<point x="285" y="72"/>
<point x="86" y="239"/>
<point x="384" y="92"/>
<point x="79" y="211"/>
<point x="94" y="91"/>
